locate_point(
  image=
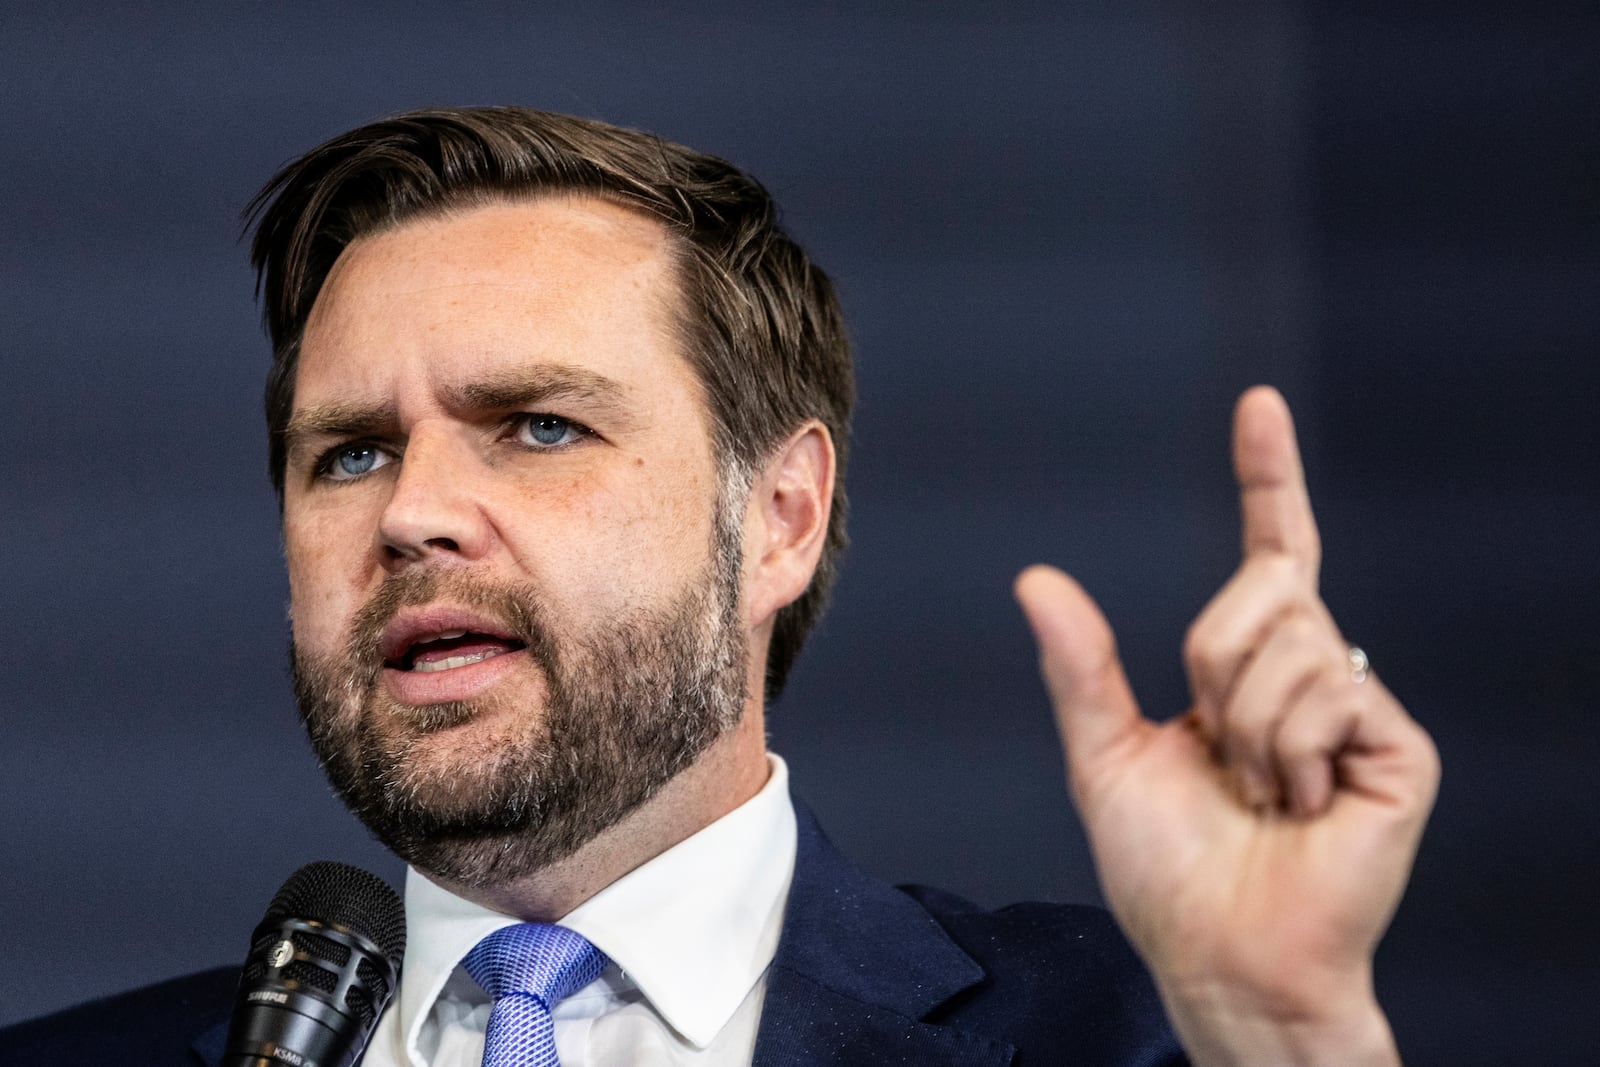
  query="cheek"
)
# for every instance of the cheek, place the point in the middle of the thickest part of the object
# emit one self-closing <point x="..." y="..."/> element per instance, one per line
<point x="321" y="600"/>
<point x="633" y="540"/>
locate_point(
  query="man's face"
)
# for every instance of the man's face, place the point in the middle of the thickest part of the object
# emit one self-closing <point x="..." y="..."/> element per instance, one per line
<point x="514" y="566"/>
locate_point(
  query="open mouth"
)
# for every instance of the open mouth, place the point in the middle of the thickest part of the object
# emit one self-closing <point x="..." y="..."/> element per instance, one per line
<point x="451" y="649"/>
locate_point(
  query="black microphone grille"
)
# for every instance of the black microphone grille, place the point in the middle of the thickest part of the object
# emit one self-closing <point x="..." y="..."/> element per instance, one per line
<point x="341" y="895"/>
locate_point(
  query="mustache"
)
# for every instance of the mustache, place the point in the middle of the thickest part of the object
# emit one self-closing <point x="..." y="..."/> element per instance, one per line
<point x="509" y="604"/>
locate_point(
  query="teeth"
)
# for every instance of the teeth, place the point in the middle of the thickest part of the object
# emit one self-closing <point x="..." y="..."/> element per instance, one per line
<point x="449" y="635"/>
<point x="429" y="666"/>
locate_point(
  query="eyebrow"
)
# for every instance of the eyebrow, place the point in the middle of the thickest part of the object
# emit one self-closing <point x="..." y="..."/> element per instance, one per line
<point x="538" y="384"/>
<point x="499" y="391"/>
<point x="327" y="421"/>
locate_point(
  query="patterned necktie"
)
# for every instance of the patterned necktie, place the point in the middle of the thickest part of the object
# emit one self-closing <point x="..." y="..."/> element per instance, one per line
<point x="528" y="969"/>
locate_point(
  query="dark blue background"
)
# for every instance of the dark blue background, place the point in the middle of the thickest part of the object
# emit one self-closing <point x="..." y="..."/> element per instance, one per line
<point x="1066" y="239"/>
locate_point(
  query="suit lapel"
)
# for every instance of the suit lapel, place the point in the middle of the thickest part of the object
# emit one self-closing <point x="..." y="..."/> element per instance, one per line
<point x="859" y="966"/>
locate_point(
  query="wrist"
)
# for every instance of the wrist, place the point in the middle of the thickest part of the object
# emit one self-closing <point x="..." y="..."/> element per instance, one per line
<point x="1223" y="1026"/>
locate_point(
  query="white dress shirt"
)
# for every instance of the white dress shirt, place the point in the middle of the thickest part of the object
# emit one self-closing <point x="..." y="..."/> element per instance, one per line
<point x="690" y="935"/>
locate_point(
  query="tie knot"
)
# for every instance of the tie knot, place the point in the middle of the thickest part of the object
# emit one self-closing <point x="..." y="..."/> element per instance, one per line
<point x="537" y="959"/>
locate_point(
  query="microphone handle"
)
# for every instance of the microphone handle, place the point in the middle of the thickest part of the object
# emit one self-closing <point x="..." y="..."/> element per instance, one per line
<point x="303" y="1032"/>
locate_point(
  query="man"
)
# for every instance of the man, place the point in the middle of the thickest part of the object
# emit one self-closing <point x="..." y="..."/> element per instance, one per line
<point x="559" y="420"/>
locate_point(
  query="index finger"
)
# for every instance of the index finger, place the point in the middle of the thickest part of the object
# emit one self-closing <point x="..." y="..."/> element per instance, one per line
<point x="1274" y="504"/>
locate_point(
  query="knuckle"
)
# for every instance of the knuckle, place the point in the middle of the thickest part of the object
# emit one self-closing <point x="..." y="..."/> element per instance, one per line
<point x="1279" y="569"/>
<point x="1302" y="630"/>
<point x="1427" y="754"/>
<point x="1195" y="643"/>
<point x="1204" y="654"/>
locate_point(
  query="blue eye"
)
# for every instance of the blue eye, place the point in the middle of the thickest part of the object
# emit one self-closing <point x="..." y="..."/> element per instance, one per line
<point x="352" y="461"/>
<point x="549" y="430"/>
<point x="357" y="460"/>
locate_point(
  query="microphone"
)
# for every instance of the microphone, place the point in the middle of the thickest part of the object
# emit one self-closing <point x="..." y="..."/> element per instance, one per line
<point x="322" y="966"/>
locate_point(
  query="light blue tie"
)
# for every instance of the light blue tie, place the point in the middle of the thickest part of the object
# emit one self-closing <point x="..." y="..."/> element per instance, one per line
<point x="528" y="969"/>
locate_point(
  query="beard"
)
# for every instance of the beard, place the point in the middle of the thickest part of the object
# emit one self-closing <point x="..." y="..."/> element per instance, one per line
<point x="626" y="706"/>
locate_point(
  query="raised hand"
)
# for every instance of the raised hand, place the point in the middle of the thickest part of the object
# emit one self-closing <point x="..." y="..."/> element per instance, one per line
<point x="1255" y="848"/>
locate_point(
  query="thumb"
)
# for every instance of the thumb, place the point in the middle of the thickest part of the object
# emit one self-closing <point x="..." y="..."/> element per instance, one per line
<point x="1095" y="708"/>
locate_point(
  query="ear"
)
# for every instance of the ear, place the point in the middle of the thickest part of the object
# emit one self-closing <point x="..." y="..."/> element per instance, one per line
<point x="786" y="522"/>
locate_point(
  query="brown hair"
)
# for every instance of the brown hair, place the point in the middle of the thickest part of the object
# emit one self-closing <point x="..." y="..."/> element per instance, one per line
<point x="760" y="323"/>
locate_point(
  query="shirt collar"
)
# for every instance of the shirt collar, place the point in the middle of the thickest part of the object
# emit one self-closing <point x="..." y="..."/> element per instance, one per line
<point x="694" y="928"/>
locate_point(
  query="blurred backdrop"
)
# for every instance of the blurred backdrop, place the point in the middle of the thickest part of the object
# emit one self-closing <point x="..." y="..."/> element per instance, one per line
<point x="1066" y="236"/>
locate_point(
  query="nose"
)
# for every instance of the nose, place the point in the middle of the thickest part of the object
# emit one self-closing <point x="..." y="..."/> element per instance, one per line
<point x="433" y="510"/>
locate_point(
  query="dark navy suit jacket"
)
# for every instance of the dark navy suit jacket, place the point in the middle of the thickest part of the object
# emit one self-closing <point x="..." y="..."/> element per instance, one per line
<point x="865" y="974"/>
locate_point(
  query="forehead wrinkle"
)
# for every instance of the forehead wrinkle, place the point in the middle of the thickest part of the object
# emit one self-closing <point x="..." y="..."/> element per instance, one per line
<point x="652" y="278"/>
